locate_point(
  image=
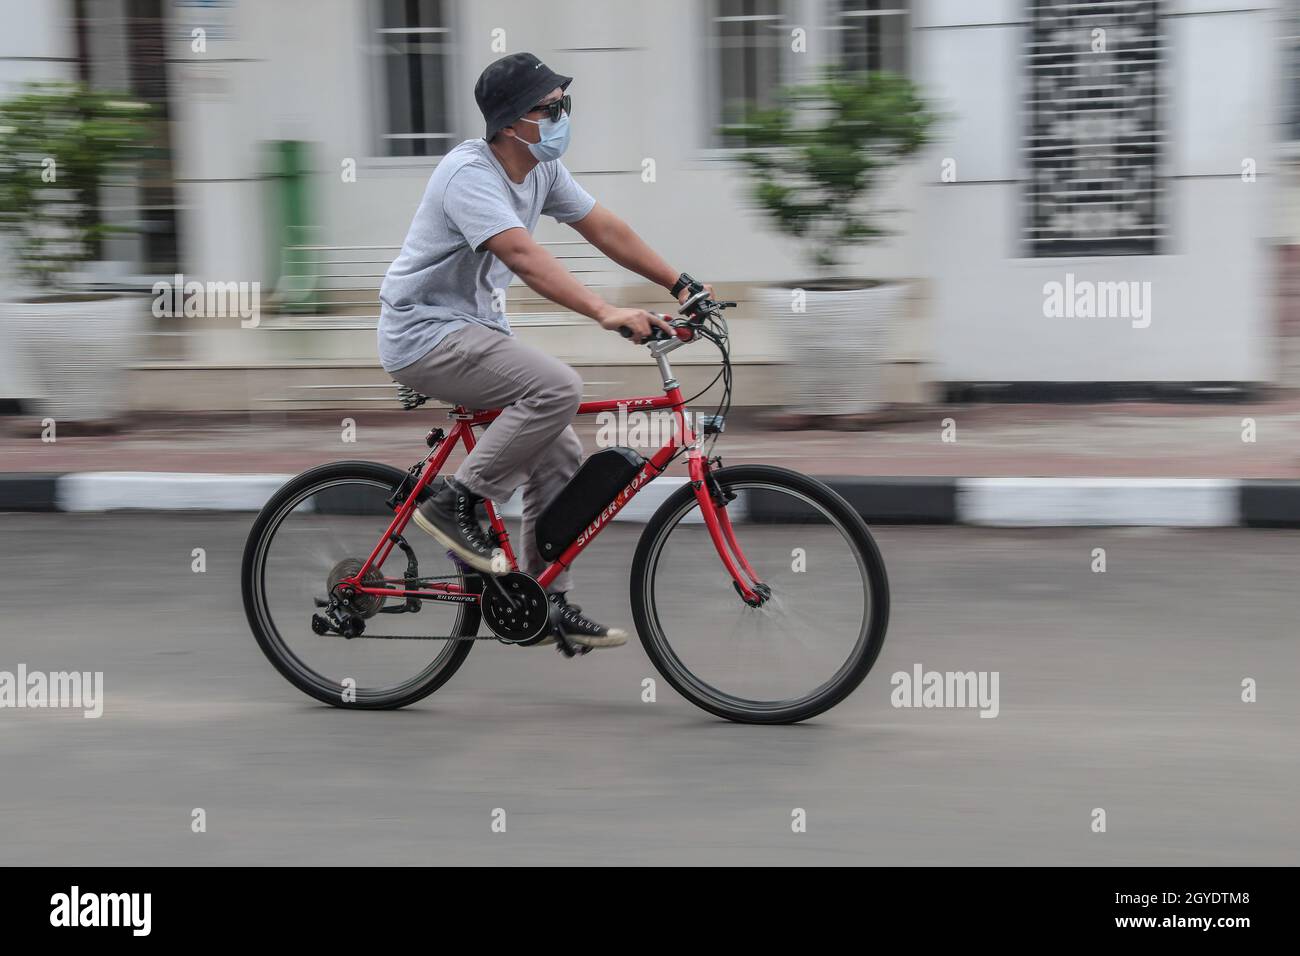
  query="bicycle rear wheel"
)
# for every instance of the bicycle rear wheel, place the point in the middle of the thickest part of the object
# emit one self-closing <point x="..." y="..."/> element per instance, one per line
<point x="803" y="650"/>
<point x="318" y="528"/>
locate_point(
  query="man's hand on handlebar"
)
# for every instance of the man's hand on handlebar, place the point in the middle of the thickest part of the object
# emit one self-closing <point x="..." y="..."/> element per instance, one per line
<point x="635" y="324"/>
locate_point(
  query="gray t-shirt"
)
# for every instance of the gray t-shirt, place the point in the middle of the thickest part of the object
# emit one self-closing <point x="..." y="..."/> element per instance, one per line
<point x="443" y="279"/>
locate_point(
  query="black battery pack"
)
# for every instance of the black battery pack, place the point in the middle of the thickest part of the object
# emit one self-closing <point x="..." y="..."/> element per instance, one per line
<point x="580" y="502"/>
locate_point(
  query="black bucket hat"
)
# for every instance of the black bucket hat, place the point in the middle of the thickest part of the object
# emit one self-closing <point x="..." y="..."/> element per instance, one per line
<point x="511" y="86"/>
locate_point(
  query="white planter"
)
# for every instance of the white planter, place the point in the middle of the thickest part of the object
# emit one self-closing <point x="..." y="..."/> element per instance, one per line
<point x="837" y="345"/>
<point x="75" y="352"/>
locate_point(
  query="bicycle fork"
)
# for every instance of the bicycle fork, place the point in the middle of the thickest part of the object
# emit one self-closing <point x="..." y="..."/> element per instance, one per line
<point x="713" y="500"/>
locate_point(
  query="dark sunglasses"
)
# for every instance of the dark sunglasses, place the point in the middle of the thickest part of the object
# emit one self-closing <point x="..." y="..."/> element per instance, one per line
<point x="553" y="110"/>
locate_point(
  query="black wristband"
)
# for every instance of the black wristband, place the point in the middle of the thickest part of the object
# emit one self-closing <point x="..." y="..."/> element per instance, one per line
<point x="682" y="282"/>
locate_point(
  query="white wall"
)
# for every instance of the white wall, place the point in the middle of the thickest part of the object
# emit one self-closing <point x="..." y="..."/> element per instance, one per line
<point x="1212" y="316"/>
<point x="36" y="44"/>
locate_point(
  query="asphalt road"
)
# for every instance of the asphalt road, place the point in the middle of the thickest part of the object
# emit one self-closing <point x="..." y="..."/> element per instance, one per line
<point x="1119" y="691"/>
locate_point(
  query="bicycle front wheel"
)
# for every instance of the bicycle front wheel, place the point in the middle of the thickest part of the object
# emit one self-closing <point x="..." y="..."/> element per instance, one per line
<point x="808" y="645"/>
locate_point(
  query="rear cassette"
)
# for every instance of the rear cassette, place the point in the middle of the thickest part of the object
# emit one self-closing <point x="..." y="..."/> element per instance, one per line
<point x="363" y="605"/>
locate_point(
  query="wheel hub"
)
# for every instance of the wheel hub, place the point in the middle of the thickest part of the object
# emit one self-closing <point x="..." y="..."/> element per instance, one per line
<point x="763" y="592"/>
<point x="363" y="605"/>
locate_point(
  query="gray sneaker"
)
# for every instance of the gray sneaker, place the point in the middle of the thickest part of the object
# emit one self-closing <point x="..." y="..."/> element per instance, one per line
<point x="580" y="630"/>
<point x="448" y="516"/>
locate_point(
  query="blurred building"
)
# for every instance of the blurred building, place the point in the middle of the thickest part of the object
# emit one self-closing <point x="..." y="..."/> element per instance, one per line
<point x="302" y="132"/>
<point x="1107" y="145"/>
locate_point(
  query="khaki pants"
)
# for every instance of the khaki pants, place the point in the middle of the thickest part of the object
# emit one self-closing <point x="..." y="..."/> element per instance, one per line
<point x="532" y="444"/>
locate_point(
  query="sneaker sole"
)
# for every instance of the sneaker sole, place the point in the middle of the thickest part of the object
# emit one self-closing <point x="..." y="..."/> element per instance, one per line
<point x="552" y="640"/>
<point x="615" y="638"/>
<point x="496" y="565"/>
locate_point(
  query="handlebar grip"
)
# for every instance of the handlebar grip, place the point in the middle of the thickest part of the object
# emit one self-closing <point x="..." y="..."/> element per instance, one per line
<point x="656" y="334"/>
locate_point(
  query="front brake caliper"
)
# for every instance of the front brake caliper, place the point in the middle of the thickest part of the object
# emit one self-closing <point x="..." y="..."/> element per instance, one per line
<point x="721" y="496"/>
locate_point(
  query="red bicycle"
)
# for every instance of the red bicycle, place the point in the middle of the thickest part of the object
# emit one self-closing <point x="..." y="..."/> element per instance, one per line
<point x="757" y="592"/>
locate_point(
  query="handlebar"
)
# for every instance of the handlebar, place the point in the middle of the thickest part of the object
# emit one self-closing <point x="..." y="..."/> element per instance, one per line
<point x="695" y="310"/>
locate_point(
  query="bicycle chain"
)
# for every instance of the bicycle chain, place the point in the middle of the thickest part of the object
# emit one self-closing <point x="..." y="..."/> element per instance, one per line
<point x="426" y="637"/>
<point x="565" y="647"/>
<point x="423" y="637"/>
<point x="414" y="637"/>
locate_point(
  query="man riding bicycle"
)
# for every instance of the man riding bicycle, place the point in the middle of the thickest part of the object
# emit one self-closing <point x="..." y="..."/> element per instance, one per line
<point x="443" y="329"/>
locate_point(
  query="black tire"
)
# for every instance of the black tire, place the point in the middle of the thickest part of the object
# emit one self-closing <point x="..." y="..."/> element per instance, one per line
<point x="269" y="640"/>
<point x="661" y="654"/>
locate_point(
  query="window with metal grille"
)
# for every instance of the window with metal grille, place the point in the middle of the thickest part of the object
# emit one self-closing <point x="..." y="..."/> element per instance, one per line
<point x="873" y="34"/>
<point x="1094" y="137"/>
<point x="749" y="39"/>
<point x="413" y="47"/>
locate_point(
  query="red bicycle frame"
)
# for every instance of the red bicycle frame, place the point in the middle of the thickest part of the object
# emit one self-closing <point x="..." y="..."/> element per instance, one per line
<point x="715" y="517"/>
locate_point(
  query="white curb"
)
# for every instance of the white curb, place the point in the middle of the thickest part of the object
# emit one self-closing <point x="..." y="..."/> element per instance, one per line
<point x="164" y="491"/>
<point x="1065" y="502"/>
<point x="183" y="491"/>
<point x="1005" y="502"/>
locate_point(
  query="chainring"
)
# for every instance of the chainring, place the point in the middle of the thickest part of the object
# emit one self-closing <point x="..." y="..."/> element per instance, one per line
<point x="527" y="620"/>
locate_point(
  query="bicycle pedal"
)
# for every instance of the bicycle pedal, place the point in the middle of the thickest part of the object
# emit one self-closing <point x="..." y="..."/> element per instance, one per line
<point x="569" y="649"/>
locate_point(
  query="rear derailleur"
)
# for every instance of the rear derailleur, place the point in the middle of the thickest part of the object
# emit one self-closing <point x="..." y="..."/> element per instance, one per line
<point x="347" y="610"/>
<point x="336" y="620"/>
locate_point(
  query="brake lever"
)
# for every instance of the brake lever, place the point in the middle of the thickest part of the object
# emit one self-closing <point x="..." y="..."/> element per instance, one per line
<point x="688" y="307"/>
<point x="700" y="305"/>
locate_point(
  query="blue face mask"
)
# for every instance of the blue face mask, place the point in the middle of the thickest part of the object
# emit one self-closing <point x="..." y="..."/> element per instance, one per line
<point x="554" y="138"/>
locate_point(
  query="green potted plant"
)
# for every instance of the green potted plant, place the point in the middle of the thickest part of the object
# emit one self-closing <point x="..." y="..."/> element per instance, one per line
<point x="813" y="161"/>
<point x="60" y="144"/>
